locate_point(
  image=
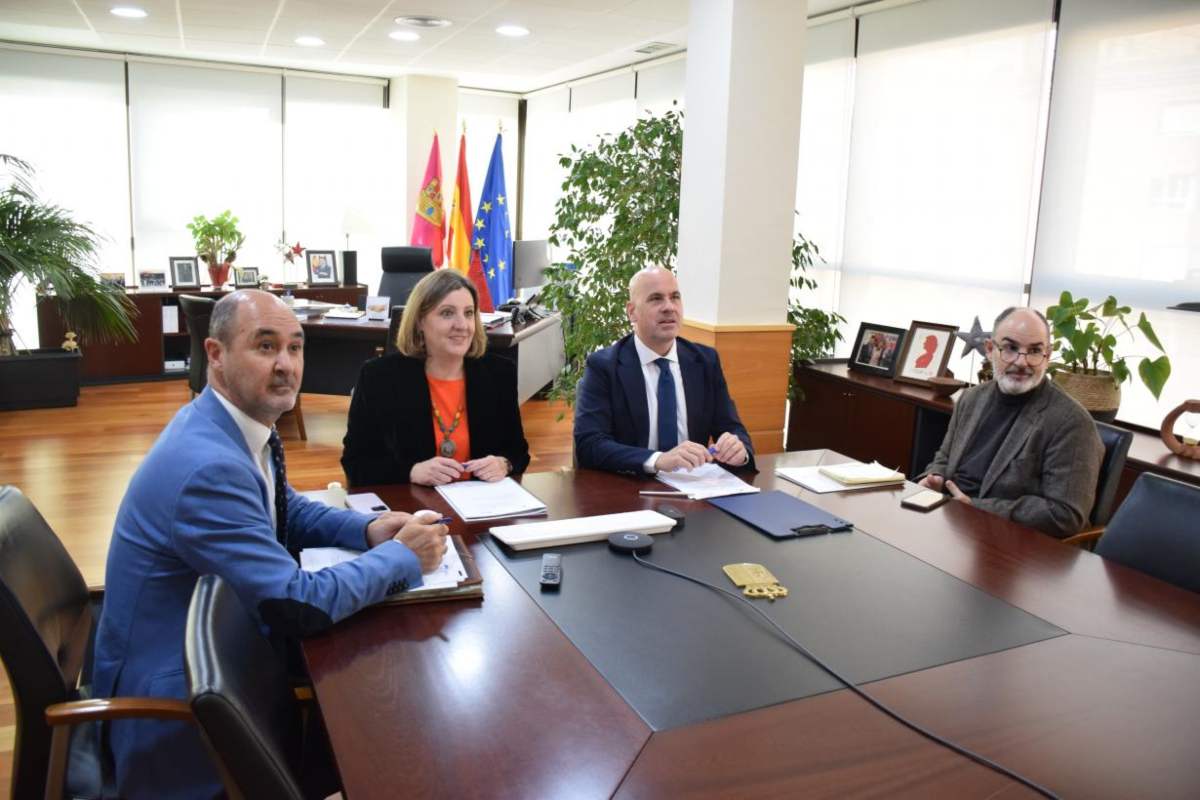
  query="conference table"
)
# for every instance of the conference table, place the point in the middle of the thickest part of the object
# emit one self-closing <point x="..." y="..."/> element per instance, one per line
<point x="1080" y="674"/>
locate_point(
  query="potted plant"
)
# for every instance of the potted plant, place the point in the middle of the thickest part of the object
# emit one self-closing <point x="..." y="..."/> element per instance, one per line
<point x="41" y="245"/>
<point x="1084" y="343"/>
<point x="816" y="332"/>
<point x="217" y="242"/>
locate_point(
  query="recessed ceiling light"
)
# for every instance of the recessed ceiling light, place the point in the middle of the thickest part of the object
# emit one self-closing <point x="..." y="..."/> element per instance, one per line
<point x="404" y="36"/>
<point x="310" y="41"/>
<point x="512" y="30"/>
<point x="130" y="12"/>
<point x="423" y="21"/>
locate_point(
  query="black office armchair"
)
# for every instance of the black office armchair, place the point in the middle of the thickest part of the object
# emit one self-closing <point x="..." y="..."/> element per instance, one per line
<point x="1116" y="443"/>
<point x="403" y="268"/>
<point x="243" y="701"/>
<point x="1155" y="531"/>
<point x="393" y="330"/>
<point x="197" y="311"/>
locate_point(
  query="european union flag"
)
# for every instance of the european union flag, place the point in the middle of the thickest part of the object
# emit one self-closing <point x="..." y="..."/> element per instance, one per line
<point x="493" y="238"/>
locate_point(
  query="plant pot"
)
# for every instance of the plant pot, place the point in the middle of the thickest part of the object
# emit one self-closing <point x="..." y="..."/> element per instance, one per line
<point x="43" y="378"/>
<point x="218" y="274"/>
<point x="1099" y="393"/>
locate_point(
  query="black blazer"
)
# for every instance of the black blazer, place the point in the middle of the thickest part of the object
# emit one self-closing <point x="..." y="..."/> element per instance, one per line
<point x="391" y="418"/>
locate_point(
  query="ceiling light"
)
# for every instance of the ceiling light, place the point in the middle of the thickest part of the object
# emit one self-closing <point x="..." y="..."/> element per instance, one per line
<point x="130" y="12"/>
<point x="512" y="30"/>
<point x="422" y="21"/>
<point x="404" y="36"/>
<point x="310" y="41"/>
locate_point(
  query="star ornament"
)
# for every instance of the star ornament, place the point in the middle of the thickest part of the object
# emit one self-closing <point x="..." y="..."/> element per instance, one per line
<point x="974" y="339"/>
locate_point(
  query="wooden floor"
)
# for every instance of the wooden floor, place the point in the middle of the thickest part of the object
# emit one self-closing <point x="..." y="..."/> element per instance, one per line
<point x="74" y="464"/>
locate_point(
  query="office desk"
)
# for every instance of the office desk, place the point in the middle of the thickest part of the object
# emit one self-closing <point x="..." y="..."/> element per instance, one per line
<point x="335" y="349"/>
<point x="491" y="699"/>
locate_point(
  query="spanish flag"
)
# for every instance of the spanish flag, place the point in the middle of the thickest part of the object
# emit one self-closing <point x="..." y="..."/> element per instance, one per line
<point x="464" y="257"/>
<point x="429" y="221"/>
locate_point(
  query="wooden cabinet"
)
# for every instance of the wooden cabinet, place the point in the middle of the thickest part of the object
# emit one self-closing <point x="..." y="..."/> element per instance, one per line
<point x="144" y="358"/>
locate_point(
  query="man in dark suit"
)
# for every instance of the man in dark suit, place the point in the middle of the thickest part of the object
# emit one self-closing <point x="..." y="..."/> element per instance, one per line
<point x="1019" y="446"/>
<point x="653" y="401"/>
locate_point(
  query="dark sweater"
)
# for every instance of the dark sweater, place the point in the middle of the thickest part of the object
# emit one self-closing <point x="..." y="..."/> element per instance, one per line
<point x="993" y="430"/>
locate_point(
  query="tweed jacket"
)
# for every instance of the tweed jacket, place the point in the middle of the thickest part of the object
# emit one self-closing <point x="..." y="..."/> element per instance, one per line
<point x="1044" y="475"/>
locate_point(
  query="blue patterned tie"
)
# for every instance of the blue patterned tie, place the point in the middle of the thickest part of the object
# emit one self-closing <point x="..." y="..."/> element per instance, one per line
<point x="668" y="425"/>
<point x="280" y="487"/>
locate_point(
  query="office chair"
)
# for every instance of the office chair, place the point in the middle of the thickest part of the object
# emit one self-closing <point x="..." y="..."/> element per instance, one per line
<point x="1155" y="531"/>
<point x="1116" y="443"/>
<point x="47" y="622"/>
<point x="403" y="268"/>
<point x="242" y="699"/>
<point x="198" y="311"/>
<point x="393" y="329"/>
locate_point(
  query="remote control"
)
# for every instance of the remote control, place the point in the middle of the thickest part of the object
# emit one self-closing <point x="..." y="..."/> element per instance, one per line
<point x="551" y="570"/>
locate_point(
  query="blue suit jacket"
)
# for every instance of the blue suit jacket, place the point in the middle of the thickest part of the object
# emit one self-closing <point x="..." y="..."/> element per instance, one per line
<point x="612" y="420"/>
<point x="198" y="505"/>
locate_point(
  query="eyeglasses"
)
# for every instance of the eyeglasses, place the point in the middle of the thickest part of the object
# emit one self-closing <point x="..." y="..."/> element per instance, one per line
<point x="1009" y="353"/>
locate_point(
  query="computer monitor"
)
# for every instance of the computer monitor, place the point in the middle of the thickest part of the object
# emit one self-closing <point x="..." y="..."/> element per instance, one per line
<point x="531" y="258"/>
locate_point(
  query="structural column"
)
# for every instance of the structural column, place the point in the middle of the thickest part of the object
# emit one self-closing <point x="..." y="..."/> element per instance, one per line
<point x="745" y="71"/>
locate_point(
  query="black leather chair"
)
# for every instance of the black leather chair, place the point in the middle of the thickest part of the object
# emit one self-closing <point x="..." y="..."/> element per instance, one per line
<point x="393" y="329"/>
<point x="1116" y="447"/>
<point x="1156" y="531"/>
<point x="244" y="703"/>
<point x="197" y="311"/>
<point x="403" y="268"/>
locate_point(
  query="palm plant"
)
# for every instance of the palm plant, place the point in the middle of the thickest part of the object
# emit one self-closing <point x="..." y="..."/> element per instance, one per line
<point x="41" y="244"/>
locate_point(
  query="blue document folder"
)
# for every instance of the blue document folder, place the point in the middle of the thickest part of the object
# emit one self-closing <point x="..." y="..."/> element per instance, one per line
<point x="779" y="515"/>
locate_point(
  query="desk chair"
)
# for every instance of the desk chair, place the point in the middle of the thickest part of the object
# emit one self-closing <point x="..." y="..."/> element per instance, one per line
<point x="47" y="621"/>
<point x="1116" y="443"/>
<point x="403" y="268"/>
<point x="241" y="697"/>
<point x="393" y="329"/>
<point x="1155" y="531"/>
<point x="198" y="311"/>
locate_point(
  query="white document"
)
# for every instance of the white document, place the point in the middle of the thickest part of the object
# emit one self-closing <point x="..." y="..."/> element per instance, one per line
<point x="705" y="481"/>
<point x="447" y="574"/>
<point x="529" y="535"/>
<point x="812" y="479"/>
<point x="344" y="312"/>
<point x="480" y="500"/>
<point x="494" y="317"/>
<point x="170" y="319"/>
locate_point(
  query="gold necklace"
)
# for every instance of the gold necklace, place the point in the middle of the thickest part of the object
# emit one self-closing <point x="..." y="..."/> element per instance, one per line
<point x="447" y="447"/>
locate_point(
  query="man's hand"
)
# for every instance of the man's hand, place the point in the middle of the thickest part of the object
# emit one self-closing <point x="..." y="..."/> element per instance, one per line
<point x="931" y="481"/>
<point x="687" y="455"/>
<point x="386" y="526"/>
<point x="957" y="493"/>
<point x="488" y="468"/>
<point x="435" y="471"/>
<point x="425" y="537"/>
<point x="731" y="450"/>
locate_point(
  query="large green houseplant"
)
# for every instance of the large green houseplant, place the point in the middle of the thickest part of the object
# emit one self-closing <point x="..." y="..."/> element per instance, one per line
<point x="217" y="243"/>
<point x="1085" y="338"/>
<point x="42" y="246"/>
<point x="619" y="212"/>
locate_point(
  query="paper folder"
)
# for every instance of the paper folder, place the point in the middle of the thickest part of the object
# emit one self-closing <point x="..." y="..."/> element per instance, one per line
<point x="781" y="516"/>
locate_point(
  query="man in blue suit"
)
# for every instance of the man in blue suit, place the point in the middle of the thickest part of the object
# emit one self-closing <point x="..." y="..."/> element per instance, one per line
<point x="653" y="401"/>
<point x="211" y="497"/>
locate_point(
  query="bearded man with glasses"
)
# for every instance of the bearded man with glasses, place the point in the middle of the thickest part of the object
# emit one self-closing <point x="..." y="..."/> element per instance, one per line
<point x="1019" y="446"/>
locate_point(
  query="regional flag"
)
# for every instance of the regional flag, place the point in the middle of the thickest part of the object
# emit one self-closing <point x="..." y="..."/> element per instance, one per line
<point x="463" y="257"/>
<point x="494" y="239"/>
<point x="429" y="222"/>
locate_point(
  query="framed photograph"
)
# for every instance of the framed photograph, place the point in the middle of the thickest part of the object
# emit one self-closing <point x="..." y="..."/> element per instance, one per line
<point x="322" y="268"/>
<point x="925" y="353"/>
<point x="113" y="279"/>
<point x="245" y="277"/>
<point x="876" y="349"/>
<point x="185" y="272"/>
<point x="378" y="308"/>
<point x="153" y="280"/>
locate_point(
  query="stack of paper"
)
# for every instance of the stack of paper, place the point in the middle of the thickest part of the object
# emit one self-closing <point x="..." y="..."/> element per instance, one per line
<point x="528" y="535"/>
<point x="447" y="574"/>
<point x="857" y="474"/>
<point x="479" y="500"/>
<point x="705" y="481"/>
<point x="344" y="312"/>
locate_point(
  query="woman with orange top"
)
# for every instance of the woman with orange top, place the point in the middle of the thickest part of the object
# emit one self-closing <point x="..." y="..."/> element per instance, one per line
<point x="441" y="409"/>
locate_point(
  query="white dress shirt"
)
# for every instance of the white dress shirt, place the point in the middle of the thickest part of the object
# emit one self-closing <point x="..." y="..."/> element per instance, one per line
<point x="650" y="371"/>
<point x="256" y="435"/>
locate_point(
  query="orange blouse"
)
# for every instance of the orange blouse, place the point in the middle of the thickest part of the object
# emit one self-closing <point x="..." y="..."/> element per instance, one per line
<point x="448" y="397"/>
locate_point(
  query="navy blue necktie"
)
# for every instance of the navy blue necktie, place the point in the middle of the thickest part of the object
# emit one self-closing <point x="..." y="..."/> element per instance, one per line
<point x="280" y="487"/>
<point x="668" y="414"/>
